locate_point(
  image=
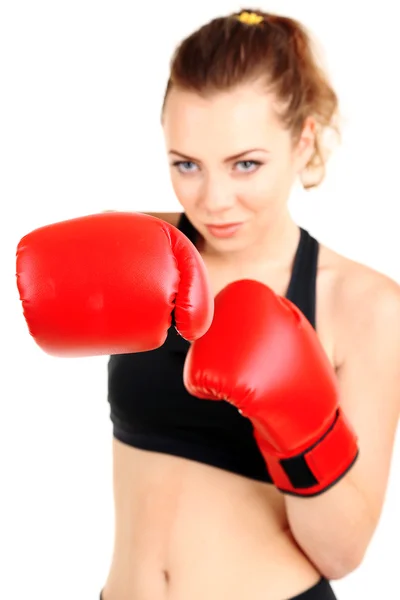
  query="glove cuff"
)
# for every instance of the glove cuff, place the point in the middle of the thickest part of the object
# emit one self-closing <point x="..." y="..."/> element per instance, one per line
<point x="319" y="467"/>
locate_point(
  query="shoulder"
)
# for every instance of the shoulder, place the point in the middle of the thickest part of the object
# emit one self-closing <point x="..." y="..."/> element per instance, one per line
<point x="366" y="303"/>
<point x="172" y="217"/>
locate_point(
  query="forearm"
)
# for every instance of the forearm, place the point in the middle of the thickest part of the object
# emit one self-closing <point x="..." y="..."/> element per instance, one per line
<point x="334" y="528"/>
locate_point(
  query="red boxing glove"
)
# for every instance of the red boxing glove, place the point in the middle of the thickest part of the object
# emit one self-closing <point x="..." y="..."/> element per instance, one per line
<point x="109" y="284"/>
<point x="263" y="356"/>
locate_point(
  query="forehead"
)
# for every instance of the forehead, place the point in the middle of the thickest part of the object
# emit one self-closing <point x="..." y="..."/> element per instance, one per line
<point x="223" y="122"/>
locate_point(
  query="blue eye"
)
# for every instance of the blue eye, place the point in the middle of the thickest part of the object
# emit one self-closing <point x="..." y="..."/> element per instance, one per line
<point x="249" y="165"/>
<point x="187" y="166"/>
<point x="184" y="166"/>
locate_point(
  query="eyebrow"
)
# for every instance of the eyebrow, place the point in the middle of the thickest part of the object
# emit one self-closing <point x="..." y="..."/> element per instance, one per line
<point x="229" y="158"/>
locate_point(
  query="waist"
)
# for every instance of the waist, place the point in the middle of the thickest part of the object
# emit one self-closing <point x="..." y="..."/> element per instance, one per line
<point x="185" y="528"/>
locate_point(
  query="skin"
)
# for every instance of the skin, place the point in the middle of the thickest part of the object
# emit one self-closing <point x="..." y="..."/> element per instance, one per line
<point x="187" y="530"/>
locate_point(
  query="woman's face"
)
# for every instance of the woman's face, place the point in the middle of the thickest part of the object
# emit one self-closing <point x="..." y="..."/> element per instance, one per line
<point x="232" y="162"/>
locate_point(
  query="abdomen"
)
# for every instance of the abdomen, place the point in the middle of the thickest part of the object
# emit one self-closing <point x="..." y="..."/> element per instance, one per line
<point x="188" y="530"/>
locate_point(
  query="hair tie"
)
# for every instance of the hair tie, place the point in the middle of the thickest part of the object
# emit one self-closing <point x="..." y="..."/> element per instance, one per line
<point x="249" y="18"/>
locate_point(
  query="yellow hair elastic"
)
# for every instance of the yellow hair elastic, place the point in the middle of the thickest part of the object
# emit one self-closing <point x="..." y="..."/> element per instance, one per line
<point x="250" y="18"/>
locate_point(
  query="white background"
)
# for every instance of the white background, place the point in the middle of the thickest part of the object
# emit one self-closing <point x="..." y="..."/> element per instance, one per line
<point x="81" y="90"/>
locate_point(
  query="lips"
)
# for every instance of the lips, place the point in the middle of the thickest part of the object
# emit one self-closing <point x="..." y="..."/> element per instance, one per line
<point x="224" y="231"/>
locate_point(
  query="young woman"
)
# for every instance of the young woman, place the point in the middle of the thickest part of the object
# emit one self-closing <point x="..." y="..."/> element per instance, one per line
<point x="245" y="114"/>
<point x="197" y="513"/>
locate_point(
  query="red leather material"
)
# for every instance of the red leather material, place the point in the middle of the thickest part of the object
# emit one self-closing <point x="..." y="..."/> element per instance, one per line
<point x="263" y="356"/>
<point x="108" y="284"/>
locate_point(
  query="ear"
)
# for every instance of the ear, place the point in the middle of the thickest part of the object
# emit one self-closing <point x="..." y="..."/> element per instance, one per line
<point x="306" y="144"/>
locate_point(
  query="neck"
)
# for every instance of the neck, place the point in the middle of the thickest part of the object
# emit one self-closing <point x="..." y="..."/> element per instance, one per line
<point x="275" y="248"/>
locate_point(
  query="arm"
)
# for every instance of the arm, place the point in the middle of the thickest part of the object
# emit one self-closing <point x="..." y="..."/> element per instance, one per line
<point x="335" y="528"/>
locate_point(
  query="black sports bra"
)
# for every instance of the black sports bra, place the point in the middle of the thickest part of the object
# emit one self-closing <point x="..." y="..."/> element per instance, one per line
<point x="151" y="409"/>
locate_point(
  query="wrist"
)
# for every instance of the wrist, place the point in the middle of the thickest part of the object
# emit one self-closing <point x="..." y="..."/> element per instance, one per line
<point x="317" y="468"/>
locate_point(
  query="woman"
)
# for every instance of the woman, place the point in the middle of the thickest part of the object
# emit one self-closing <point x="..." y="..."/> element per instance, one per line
<point x="197" y="514"/>
<point x="245" y="114"/>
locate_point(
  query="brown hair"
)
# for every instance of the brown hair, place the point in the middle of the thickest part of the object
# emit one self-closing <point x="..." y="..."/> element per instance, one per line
<point x="227" y="52"/>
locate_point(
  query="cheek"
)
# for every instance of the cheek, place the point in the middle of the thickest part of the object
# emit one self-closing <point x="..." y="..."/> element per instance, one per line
<point x="187" y="189"/>
<point x="266" y="188"/>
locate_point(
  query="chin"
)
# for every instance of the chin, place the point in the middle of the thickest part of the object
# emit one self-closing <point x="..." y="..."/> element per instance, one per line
<point x="232" y="244"/>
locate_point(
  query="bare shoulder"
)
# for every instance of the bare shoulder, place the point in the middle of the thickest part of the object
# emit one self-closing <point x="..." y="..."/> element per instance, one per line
<point x="362" y="299"/>
<point x="172" y="217"/>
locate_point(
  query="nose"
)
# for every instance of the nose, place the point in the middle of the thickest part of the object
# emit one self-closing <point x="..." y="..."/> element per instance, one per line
<point x="218" y="197"/>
